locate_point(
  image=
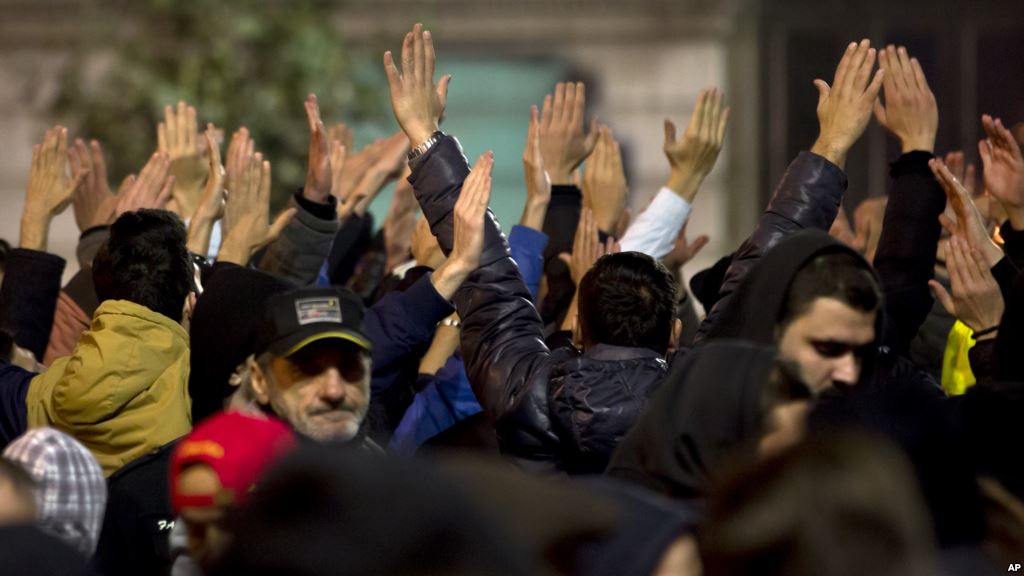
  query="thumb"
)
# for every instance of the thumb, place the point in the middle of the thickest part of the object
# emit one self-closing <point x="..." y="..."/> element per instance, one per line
<point x="943" y="296"/>
<point x="279" y="225"/>
<point x="165" y="194"/>
<point x="823" y="90"/>
<point x="592" y="135"/>
<point x="567" y="258"/>
<point x="698" y="244"/>
<point x="442" y="89"/>
<point x="880" y="114"/>
<point x="670" y="132"/>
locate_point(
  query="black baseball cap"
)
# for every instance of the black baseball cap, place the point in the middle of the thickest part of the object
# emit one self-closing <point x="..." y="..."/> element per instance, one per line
<point x="300" y="317"/>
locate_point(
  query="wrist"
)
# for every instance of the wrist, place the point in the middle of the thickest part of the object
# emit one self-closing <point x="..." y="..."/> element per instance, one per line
<point x="33" y="233"/>
<point x="924" y="143"/>
<point x="1016" y="217"/>
<point x="533" y="214"/>
<point x="990" y="333"/>
<point x="311" y="193"/>
<point x="418" y="134"/>
<point x="830" y="151"/>
<point x="992" y="253"/>
<point x="683" y="184"/>
<point x="560" y="177"/>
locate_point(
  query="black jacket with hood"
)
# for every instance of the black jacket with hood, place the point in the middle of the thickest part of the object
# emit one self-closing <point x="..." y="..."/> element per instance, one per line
<point x="709" y="408"/>
<point x="792" y="232"/>
<point x="553" y="410"/>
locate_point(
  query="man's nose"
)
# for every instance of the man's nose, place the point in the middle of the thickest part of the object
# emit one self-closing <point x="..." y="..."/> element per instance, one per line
<point x="846" y="369"/>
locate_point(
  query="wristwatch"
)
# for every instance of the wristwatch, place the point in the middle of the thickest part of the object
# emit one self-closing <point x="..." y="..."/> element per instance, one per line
<point x="427" y="145"/>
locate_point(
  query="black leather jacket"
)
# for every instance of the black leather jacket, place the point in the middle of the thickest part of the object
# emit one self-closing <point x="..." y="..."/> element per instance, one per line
<point x="553" y="410"/>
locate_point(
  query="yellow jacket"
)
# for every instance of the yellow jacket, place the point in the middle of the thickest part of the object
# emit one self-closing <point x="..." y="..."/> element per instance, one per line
<point x="123" y="391"/>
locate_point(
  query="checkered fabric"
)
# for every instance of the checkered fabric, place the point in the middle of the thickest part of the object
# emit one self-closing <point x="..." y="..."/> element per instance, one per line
<point x="71" y="491"/>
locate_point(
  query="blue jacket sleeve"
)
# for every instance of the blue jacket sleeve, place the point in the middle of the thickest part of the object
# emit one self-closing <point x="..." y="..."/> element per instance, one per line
<point x="446" y="398"/>
<point x="527" y="248"/>
<point x="400" y="321"/>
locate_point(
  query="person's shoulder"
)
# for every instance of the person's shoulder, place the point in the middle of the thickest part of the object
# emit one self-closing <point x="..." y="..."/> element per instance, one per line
<point x="155" y="463"/>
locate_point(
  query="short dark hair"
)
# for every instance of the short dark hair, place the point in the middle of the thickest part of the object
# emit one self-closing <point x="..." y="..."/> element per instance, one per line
<point x="628" y="299"/>
<point x="146" y="261"/>
<point x="838" y="275"/>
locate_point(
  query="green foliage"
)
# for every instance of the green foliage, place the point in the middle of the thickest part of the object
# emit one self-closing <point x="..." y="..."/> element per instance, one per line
<point x="240" y="62"/>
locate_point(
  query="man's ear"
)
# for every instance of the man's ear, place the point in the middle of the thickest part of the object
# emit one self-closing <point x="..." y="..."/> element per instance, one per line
<point x="186" y="310"/>
<point x="258" y="382"/>
<point x="677" y="333"/>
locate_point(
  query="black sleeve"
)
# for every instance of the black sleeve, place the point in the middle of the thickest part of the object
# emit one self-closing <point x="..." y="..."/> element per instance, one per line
<point x="28" y="297"/>
<point x="353" y="239"/>
<point x="1010" y="342"/>
<point x="905" y="259"/>
<point x="560" y="226"/>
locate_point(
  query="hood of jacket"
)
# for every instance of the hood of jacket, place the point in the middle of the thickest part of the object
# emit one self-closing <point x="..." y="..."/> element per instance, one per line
<point x="758" y="302"/>
<point x="123" y="391"/>
<point x="596" y="398"/>
<point x="709" y="406"/>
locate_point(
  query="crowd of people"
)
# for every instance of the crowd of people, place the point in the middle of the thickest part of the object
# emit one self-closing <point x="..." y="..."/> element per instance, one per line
<point x="219" y="391"/>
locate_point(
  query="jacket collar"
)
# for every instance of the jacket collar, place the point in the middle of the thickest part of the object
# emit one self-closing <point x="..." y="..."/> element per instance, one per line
<point x="610" y="353"/>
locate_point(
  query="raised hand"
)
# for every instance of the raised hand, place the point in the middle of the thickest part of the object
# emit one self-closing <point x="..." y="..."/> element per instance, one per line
<point x="153" y="188"/>
<point x="211" y="205"/>
<point x="563" y="144"/>
<point x="604" y="182"/>
<point x="966" y="222"/>
<point x="468" y="230"/>
<point x="178" y="137"/>
<point x="684" y="250"/>
<point x="867" y="224"/>
<point x="844" y="108"/>
<point x="418" y="103"/>
<point x="50" y="189"/>
<point x="692" y="157"/>
<point x="964" y="173"/>
<point x="342" y="134"/>
<point x="318" y="176"/>
<point x="586" y="247"/>
<point x="1004" y="169"/>
<point x="240" y="149"/>
<point x="976" y="300"/>
<point x="348" y="168"/>
<point x="910" y="111"/>
<point x="246" y="214"/>
<point x="389" y="161"/>
<point x="586" y="250"/>
<point x="93" y="202"/>
<point x="538" y="183"/>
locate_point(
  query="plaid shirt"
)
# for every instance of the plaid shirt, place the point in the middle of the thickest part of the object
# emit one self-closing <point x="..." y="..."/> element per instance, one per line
<point x="71" y="491"/>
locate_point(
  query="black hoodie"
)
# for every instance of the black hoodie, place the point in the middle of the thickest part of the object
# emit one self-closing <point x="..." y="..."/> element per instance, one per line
<point x="708" y="407"/>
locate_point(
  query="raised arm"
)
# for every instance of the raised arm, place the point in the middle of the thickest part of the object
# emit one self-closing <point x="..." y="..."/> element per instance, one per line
<point x="905" y="257"/>
<point x="690" y="159"/>
<point x="501" y="332"/>
<point x="809" y="194"/>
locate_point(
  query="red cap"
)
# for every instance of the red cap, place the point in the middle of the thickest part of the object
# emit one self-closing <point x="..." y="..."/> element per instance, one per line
<point x="238" y="447"/>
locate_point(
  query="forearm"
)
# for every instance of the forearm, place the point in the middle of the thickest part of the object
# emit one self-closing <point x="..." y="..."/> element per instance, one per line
<point x="34" y="231"/>
<point x="905" y="259"/>
<point x="200" y="228"/>
<point x="526" y="245"/>
<point x="534" y="213"/>
<point x="655" y="230"/>
<point x="402" y="321"/>
<point x="28" y="297"/>
<point x="300" y="250"/>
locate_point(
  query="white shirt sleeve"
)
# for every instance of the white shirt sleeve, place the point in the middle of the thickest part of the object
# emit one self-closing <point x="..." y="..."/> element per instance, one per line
<point x="655" y="230"/>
